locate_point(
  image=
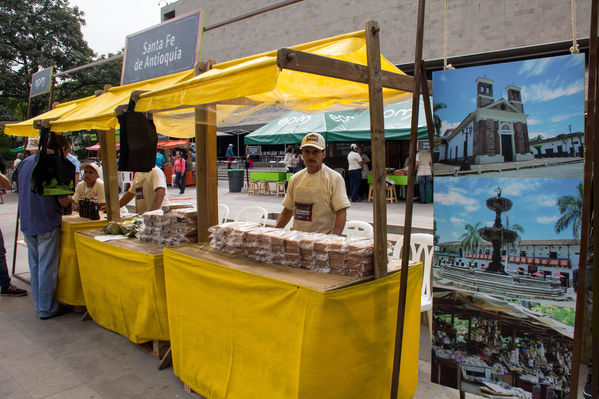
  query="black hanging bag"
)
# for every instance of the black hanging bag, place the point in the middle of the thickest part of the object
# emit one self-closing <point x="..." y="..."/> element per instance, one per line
<point x="52" y="174"/>
<point x="138" y="141"/>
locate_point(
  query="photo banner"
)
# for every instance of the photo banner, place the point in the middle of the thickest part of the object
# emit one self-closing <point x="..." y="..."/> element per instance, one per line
<point x="170" y="47"/>
<point x="508" y="201"/>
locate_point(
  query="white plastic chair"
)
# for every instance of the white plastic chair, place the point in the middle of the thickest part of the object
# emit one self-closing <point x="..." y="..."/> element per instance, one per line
<point x="358" y="229"/>
<point x="421" y="249"/>
<point x="255" y="214"/>
<point x="223" y="213"/>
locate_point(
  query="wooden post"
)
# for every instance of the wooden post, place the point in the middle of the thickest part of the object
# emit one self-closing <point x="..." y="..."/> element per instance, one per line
<point x="594" y="125"/>
<point x="206" y="172"/>
<point x="403" y="284"/>
<point x="377" y="137"/>
<point x="587" y="206"/>
<point x="428" y="110"/>
<point x="107" y="141"/>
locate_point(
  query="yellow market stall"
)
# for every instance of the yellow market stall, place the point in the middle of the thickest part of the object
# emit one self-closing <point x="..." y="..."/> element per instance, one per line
<point x="123" y="283"/>
<point x="262" y="330"/>
<point x="244" y="329"/>
<point x="68" y="287"/>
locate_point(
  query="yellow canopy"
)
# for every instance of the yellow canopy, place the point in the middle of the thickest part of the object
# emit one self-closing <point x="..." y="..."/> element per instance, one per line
<point x="257" y="78"/>
<point x="25" y="128"/>
<point x="99" y="112"/>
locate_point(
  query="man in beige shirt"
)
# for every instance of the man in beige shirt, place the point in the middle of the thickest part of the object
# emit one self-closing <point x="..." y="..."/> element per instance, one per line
<point x="316" y="196"/>
<point x="148" y="189"/>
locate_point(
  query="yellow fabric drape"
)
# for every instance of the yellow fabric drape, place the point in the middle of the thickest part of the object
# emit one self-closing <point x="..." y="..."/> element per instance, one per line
<point x="124" y="289"/>
<point x="99" y="112"/>
<point x="25" y="128"/>
<point x="68" y="287"/>
<point x="258" y="78"/>
<point x="239" y="335"/>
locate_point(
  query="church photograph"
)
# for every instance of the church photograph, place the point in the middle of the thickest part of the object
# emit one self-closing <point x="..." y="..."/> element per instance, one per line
<point x="509" y="112"/>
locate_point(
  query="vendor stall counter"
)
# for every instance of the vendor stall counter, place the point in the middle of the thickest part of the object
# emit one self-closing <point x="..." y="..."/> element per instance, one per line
<point x="244" y="329"/>
<point x="68" y="287"/>
<point x="123" y="283"/>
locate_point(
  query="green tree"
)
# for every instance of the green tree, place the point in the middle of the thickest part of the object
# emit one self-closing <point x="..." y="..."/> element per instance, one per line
<point x="471" y="240"/>
<point x="436" y="119"/>
<point x="515" y="227"/>
<point x="36" y="34"/>
<point x="570" y="206"/>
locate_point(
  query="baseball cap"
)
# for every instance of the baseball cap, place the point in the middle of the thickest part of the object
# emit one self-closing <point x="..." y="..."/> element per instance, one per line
<point x="32" y="144"/>
<point x="314" y="140"/>
<point x="92" y="165"/>
<point x="354" y="147"/>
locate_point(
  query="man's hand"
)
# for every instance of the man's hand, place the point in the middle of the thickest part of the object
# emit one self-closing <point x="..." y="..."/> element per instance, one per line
<point x="340" y="218"/>
<point x="157" y="203"/>
<point x="283" y="218"/>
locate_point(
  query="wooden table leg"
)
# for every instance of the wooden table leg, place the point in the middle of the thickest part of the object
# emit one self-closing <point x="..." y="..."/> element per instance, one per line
<point x="166" y="361"/>
<point x="86" y="316"/>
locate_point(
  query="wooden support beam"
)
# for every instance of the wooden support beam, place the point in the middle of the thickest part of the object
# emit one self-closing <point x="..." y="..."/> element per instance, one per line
<point x="590" y="139"/>
<point x="377" y="138"/>
<point x="300" y="61"/>
<point x="107" y="140"/>
<point x="428" y="110"/>
<point x="206" y="172"/>
<point x="403" y="283"/>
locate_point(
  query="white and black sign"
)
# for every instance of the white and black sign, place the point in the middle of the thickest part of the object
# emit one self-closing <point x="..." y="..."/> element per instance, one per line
<point x="41" y="81"/>
<point x="164" y="49"/>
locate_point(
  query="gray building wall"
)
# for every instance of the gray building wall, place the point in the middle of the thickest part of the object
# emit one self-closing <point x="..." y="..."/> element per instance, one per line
<point x="473" y="26"/>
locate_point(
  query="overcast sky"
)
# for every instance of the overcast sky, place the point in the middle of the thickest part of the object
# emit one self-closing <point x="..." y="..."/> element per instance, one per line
<point x="108" y="22"/>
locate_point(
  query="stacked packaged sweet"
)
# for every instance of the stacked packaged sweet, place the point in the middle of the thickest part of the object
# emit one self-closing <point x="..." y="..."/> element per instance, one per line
<point x="320" y="252"/>
<point x="171" y="225"/>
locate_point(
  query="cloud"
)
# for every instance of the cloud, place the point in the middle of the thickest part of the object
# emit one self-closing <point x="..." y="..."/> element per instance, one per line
<point x="516" y="188"/>
<point x="534" y="67"/>
<point x="546" y="219"/>
<point x="454" y="198"/>
<point x="563" y="117"/>
<point x="541" y="92"/>
<point x="545" y="199"/>
<point x="455" y="220"/>
<point x="544" y="135"/>
<point x="455" y="235"/>
<point x="533" y="121"/>
<point x="447" y="125"/>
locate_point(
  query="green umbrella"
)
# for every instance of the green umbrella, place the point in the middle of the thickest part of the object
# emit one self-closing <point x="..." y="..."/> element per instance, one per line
<point x="18" y="149"/>
<point x="398" y="119"/>
<point x="293" y="126"/>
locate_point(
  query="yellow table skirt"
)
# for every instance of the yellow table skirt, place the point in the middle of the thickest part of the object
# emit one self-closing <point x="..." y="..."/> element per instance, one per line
<point x="68" y="287"/>
<point x="236" y="334"/>
<point x="124" y="288"/>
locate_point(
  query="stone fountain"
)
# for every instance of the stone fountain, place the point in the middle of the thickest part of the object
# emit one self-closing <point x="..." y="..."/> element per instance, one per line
<point x="498" y="235"/>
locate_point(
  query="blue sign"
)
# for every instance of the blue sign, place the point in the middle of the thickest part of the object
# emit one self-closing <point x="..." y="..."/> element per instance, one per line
<point x="170" y="47"/>
<point x="41" y="81"/>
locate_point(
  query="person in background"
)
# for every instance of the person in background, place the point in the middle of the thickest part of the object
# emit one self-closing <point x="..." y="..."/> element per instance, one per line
<point x="250" y="160"/>
<point x="297" y="160"/>
<point x="424" y="173"/>
<point x="17" y="161"/>
<point x="2" y="165"/>
<point x="179" y="169"/>
<point x="41" y="217"/>
<point x="15" y="172"/>
<point x="354" y="167"/>
<point x="91" y="186"/>
<point x="365" y="173"/>
<point x="6" y="288"/>
<point x="230" y="155"/>
<point x="67" y="149"/>
<point x="287" y="159"/>
<point x="159" y="159"/>
<point x="148" y="189"/>
<point x="316" y="197"/>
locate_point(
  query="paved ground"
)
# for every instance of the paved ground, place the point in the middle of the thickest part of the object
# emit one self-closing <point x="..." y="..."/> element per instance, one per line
<point x="545" y="167"/>
<point x="67" y="358"/>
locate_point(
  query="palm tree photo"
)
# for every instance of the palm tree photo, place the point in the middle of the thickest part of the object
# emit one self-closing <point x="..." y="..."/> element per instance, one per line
<point x="471" y="240"/>
<point x="570" y="206"/>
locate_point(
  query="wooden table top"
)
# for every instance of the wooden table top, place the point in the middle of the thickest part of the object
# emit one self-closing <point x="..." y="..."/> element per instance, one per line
<point x="306" y="278"/>
<point x="132" y="244"/>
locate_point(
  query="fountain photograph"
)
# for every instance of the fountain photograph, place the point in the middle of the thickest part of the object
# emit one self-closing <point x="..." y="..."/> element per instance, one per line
<point x="505" y="274"/>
